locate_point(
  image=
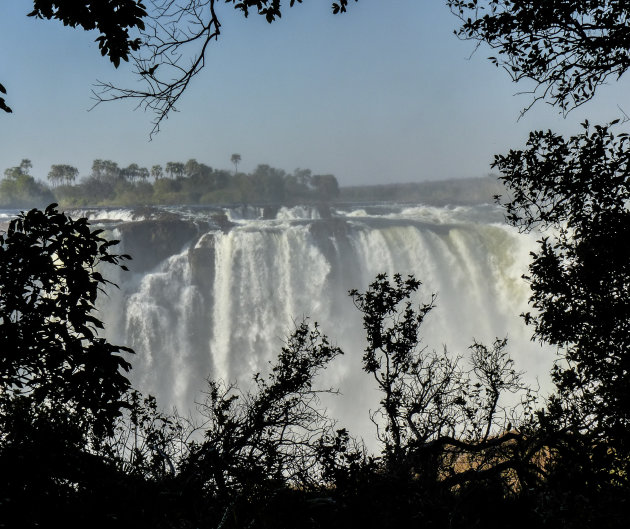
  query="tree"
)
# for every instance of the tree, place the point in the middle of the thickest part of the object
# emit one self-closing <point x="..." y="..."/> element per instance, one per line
<point x="265" y="184"/>
<point x="59" y="174"/>
<point x="580" y="277"/>
<point x="298" y="184"/>
<point x="173" y="37"/>
<point x="174" y="169"/>
<point x="235" y="159"/>
<point x="259" y="442"/>
<point x="3" y="105"/>
<point x="156" y="172"/>
<point x="326" y="186"/>
<point x="143" y="174"/>
<point x="131" y="172"/>
<point x="106" y="171"/>
<point x="567" y="48"/>
<point x="23" y="169"/>
<point x="577" y="190"/>
<point x="429" y="402"/>
<point x="192" y="168"/>
<point x="19" y="189"/>
<point x="48" y="332"/>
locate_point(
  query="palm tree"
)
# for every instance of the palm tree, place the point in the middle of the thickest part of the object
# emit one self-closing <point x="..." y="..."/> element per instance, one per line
<point x="236" y="159"/>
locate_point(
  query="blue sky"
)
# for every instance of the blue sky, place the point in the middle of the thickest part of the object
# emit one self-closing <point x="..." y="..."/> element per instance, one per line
<point x="384" y="93"/>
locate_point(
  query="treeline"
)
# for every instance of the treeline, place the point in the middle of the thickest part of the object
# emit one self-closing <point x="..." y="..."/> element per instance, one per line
<point x="192" y="182"/>
<point x="464" y="191"/>
<point x="18" y="189"/>
<point x="174" y="183"/>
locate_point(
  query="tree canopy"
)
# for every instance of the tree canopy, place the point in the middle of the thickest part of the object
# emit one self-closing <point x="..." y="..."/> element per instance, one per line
<point x="576" y="191"/>
<point x="580" y="276"/>
<point x="48" y="332"/>
<point x="568" y="49"/>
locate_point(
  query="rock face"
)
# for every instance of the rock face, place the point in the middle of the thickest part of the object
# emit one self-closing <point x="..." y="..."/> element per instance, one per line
<point x="201" y="259"/>
<point x="155" y="240"/>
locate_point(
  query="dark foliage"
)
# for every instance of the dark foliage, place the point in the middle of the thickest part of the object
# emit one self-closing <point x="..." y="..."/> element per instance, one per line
<point x="112" y="18"/>
<point x="62" y="388"/>
<point x="580" y="276"/>
<point x="453" y="455"/>
<point x="3" y="105"/>
<point x="48" y="331"/>
<point x="567" y="48"/>
<point x="576" y="191"/>
<point x="172" y="36"/>
<point x="270" y="434"/>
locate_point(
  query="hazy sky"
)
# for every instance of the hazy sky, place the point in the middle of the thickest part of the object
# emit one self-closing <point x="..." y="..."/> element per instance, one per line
<point x="384" y="93"/>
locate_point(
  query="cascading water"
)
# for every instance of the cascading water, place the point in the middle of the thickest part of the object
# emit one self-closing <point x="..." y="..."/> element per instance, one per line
<point x="214" y="293"/>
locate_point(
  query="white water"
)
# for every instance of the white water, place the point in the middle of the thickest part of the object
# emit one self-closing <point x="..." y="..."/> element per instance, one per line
<point x="222" y="305"/>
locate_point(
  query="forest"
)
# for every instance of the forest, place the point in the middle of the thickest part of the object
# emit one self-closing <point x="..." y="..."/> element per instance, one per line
<point x="194" y="183"/>
<point x="80" y="447"/>
<point x="175" y="183"/>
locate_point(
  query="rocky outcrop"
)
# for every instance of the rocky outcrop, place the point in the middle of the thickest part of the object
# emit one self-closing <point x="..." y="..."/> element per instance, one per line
<point x="155" y="240"/>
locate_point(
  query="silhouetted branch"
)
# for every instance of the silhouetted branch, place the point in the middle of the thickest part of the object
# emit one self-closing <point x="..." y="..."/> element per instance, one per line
<point x="566" y="49"/>
<point x="174" y="44"/>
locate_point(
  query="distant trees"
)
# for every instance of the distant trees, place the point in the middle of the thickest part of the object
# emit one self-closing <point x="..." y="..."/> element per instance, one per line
<point x="134" y="173"/>
<point x="192" y="182"/>
<point x="192" y="168"/>
<point x="298" y="183"/>
<point x="20" y="190"/>
<point x="174" y="169"/>
<point x="143" y="174"/>
<point x="326" y="186"/>
<point x="265" y="184"/>
<point x="105" y="171"/>
<point x="62" y="174"/>
<point x="23" y="169"/>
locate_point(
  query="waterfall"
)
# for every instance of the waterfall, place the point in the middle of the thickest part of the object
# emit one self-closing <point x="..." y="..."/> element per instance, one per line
<point x="213" y="293"/>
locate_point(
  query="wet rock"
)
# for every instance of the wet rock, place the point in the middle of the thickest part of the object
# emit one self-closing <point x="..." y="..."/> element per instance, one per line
<point x="201" y="259"/>
<point x="152" y="241"/>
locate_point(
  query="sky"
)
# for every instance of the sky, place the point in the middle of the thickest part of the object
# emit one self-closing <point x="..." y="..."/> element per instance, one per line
<point x="384" y="93"/>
